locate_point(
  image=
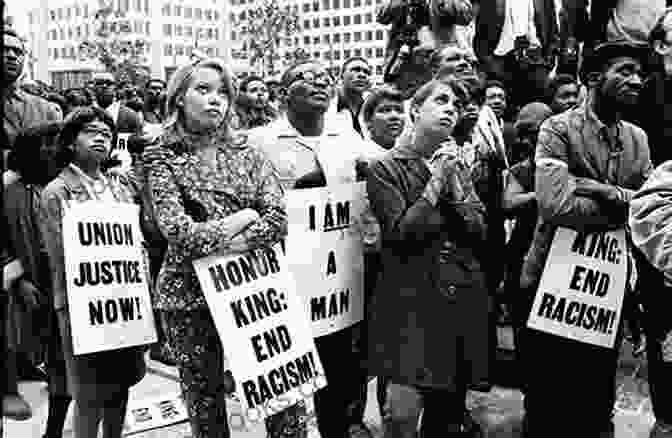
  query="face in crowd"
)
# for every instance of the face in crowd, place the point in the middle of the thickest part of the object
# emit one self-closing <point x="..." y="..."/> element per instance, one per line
<point x="622" y="81"/>
<point x="13" y="55"/>
<point x="93" y="143"/>
<point x="438" y="114"/>
<point x="105" y="89"/>
<point x="357" y="76"/>
<point x="565" y="97"/>
<point x="206" y="101"/>
<point x="255" y="94"/>
<point x="453" y="61"/>
<point x="132" y="96"/>
<point x="495" y="98"/>
<point x="663" y="44"/>
<point x="154" y="91"/>
<point x="387" y="122"/>
<point x="309" y="88"/>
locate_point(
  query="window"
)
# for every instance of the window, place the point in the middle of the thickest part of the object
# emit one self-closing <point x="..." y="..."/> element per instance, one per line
<point x="78" y="31"/>
<point x="179" y="50"/>
<point x="306" y="24"/>
<point x="358" y="52"/>
<point x="379" y="52"/>
<point x="188" y="12"/>
<point x="138" y="5"/>
<point x="325" y="5"/>
<point x="72" y="52"/>
<point x="233" y="35"/>
<point x="178" y="30"/>
<point x="78" y="12"/>
<point x="326" y="39"/>
<point x="60" y="13"/>
<point x="368" y="2"/>
<point x="188" y="31"/>
<point x="316" y="55"/>
<point x="55" y="53"/>
<point x="198" y="13"/>
<point x="86" y="29"/>
<point x="337" y="4"/>
<point x="337" y="37"/>
<point x="68" y="13"/>
<point x="306" y="40"/>
<point x="369" y="35"/>
<point x="125" y="5"/>
<point x="64" y="52"/>
<point x="296" y="41"/>
<point x="337" y="21"/>
<point x="369" y="52"/>
<point x="346" y="4"/>
<point x="210" y="34"/>
<point x="356" y="3"/>
<point x="215" y="33"/>
<point x="316" y="6"/>
<point x="147" y="27"/>
<point x="379" y="35"/>
<point x="167" y="29"/>
<point x="326" y="55"/>
<point x="346" y="20"/>
<point x="357" y="19"/>
<point x="208" y="14"/>
<point x="215" y="15"/>
<point x="86" y="10"/>
<point x="337" y="55"/>
<point x="346" y="37"/>
<point x="306" y="7"/>
<point x="346" y="53"/>
<point x="242" y="15"/>
<point x="379" y="70"/>
<point x="177" y="11"/>
<point x="316" y="23"/>
<point x="165" y="11"/>
<point x="368" y="18"/>
<point x="326" y="22"/>
<point x="358" y="37"/>
<point x="146" y="6"/>
<point x="316" y="40"/>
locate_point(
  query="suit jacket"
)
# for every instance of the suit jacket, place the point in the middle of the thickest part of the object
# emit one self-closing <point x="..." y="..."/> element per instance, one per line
<point x="22" y="110"/>
<point x="490" y="21"/>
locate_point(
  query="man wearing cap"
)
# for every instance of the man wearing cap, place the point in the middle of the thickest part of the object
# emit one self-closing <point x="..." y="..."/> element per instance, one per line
<point x="588" y="163"/>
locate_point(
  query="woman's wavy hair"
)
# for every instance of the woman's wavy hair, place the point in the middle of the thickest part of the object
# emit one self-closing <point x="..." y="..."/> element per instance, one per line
<point x="73" y="125"/>
<point x="179" y="83"/>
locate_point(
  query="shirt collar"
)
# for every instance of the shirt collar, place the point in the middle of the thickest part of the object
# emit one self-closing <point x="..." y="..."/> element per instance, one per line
<point x="285" y="129"/>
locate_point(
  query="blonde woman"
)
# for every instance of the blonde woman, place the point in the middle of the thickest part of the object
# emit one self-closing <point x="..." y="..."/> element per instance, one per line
<point x="212" y="192"/>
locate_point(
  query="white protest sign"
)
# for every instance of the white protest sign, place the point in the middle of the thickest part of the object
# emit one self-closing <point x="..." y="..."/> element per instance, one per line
<point x="107" y="289"/>
<point x="120" y="151"/>
<point x="326" y="253"/>
<point x="154" y="412"/>
<point x="580" y="295"/>
<point x="264" y="331"/>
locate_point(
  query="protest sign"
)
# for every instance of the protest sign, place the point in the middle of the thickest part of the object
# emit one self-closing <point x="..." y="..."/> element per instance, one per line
<point x="580" y="295"/>
<point x="154" y="413"/>
<point x="266" y="336"/>
<point x="107" y="289"/>
<point x="121" y="153"/>
<point x="326" y="253"/>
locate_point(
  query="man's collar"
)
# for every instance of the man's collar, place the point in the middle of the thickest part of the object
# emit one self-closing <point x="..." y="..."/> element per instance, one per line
<point x="283" y="128"/>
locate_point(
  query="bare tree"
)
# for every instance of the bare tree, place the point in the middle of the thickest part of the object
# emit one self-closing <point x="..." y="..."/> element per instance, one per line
<point x="265" y="27"/>
<point x="115" y="47"/>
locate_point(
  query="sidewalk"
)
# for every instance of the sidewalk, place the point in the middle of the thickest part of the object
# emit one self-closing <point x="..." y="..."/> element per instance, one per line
<point x="499" y="411"/>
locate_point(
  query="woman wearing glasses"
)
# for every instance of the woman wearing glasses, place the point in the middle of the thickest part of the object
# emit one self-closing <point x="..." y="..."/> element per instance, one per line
<point x="212" y="193"/>
<point x="98" y="382"/>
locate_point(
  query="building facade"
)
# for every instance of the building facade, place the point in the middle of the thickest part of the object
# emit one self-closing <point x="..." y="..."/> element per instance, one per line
<point x="331" y="31"/>
<point x="171" y="29"/>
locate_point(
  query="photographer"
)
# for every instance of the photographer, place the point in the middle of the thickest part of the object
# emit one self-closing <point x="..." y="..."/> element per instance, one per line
<point x="417" y="28"/>
<point x="515" y="44"/>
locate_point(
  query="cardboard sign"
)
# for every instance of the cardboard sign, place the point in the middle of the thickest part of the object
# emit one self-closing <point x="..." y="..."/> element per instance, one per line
<point x="326" y="254"/>
<point x="121" y="153"/>
<point x="107" y="289"/>
<point x="154" y="413"/>
<point x="581" y="291"/>
<point x="264" y="331"/>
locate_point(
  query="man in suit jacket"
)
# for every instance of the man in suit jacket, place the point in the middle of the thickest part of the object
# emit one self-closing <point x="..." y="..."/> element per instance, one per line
<point x="515" y="42"/>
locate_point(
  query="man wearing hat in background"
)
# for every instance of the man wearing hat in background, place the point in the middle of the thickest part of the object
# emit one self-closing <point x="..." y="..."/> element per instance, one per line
<point x="588" y="162"/>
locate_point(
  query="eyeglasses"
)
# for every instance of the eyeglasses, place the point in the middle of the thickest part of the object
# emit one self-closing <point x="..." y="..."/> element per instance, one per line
<point x="92" y="131"/>
<point x="312" y="77"/>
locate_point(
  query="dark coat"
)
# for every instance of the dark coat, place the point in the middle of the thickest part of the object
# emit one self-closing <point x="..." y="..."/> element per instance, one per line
<point x="490" y="21"/>
<point x="429" y="313"/>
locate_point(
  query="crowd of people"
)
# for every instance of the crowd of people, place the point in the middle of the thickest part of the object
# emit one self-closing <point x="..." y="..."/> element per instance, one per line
<point x="552" y="116"/>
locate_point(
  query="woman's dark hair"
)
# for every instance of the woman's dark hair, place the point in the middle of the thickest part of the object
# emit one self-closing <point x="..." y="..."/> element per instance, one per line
<point x="377" y="95"/>
<point x="78" y="118"/>
<point x="557" y="82"/>
<point x="251" y="78"/>
<point x="24" y="156"/>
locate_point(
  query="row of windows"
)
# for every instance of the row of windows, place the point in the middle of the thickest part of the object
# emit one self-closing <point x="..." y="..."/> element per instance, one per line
<point x="67" y="52"/>
<point x="323" y="5"/>
<point x="188" y="31"/>
<point x="180" y="50"/>
<point x="345" y="20"/>
<point x="189" y="12"/>
<point x="335" y="38"/>
<point x="84" y="30"/>
<point x="69" y="12"/>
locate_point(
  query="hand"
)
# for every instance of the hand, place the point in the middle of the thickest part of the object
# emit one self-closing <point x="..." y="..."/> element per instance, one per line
<point x="237" y="222"/>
